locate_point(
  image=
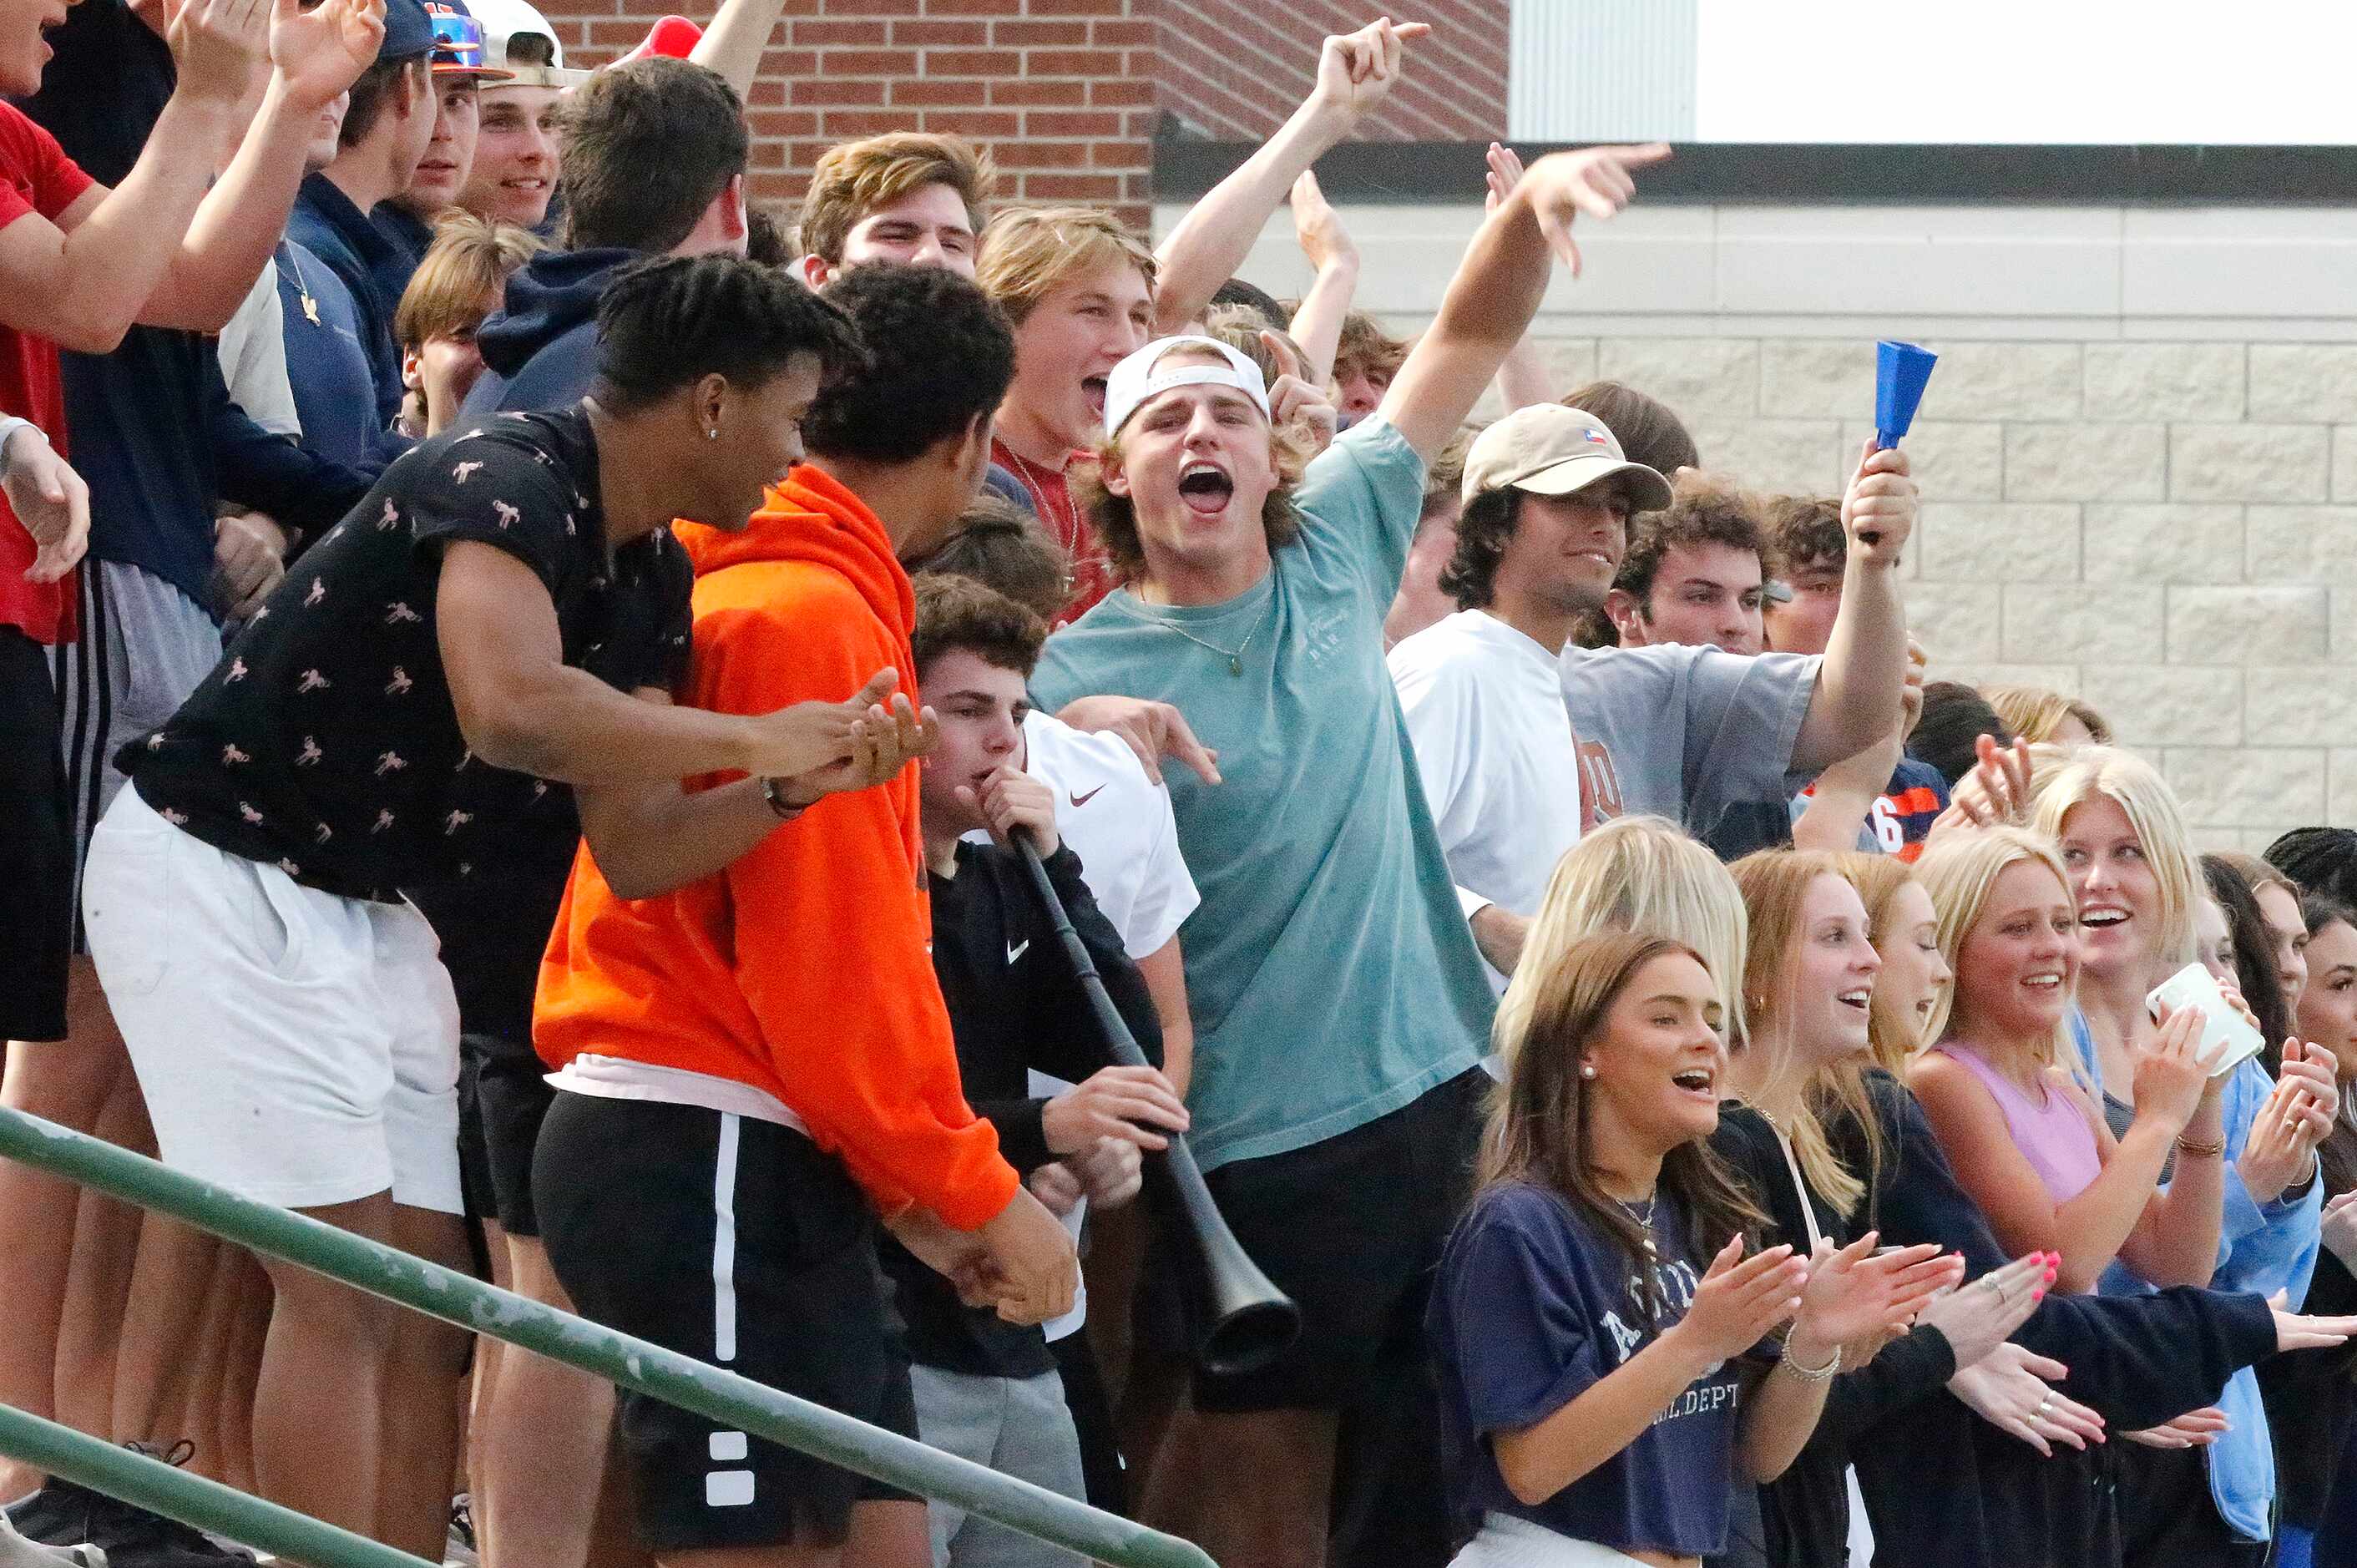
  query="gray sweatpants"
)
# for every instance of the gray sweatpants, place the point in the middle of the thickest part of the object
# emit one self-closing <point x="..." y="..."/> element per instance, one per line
<point x="1017" y="1426"/>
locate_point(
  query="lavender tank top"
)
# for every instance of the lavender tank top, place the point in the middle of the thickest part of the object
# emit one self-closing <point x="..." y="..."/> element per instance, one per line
<point x="2051" y="1131"/>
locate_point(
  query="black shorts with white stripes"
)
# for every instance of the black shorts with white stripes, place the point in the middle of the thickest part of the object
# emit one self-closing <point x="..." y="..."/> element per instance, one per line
<point x="736" y="1241"/>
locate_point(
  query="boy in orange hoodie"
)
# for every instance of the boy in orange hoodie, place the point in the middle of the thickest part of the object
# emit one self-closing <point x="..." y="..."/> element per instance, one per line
<point x="748" y="1066"/>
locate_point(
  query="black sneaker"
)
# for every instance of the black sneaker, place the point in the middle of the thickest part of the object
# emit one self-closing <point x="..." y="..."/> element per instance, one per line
<point x="66" y="1513"/>
<point x="53" y="1515"/>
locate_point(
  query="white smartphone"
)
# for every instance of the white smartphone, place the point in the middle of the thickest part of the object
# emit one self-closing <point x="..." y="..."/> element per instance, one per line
<point x="2228" y="1039"/>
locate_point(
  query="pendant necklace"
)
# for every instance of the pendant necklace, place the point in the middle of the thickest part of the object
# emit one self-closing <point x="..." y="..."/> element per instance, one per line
<point x="1653" y="1254"/>
<point x="1235" y="659"/>
<point x="302" y="292"/>
<point x="1644" y="1222"/>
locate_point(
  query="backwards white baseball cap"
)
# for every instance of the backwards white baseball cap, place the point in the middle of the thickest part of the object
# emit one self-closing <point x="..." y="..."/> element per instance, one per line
<point x="506" y="21"/>
<point x="1135" y="379"/>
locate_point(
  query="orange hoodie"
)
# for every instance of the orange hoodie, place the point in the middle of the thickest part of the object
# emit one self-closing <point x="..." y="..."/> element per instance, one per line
<point x="804" y="970"/>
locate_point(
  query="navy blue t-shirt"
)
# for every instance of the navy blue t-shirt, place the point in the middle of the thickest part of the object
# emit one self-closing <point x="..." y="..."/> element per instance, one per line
<point x="1536" y="1305"/>
<point x="412" y="237"/>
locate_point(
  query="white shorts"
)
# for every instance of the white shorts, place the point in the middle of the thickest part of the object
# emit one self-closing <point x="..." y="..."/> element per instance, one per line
<point x="294" y="1046"/>
<point x="1506" y="1542"/>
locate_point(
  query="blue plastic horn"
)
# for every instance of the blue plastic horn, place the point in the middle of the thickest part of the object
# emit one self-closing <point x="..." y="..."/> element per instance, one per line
<point x="1900" y="372"/>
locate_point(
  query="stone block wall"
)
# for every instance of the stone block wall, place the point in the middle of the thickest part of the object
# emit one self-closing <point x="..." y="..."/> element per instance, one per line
<point x="2158" y="527"/>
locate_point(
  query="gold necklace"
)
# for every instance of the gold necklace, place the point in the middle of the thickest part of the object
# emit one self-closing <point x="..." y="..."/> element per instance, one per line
<point x="303" y="290"/>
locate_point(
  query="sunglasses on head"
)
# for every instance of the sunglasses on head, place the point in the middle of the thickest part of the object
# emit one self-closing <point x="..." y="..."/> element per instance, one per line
<point x="457" y="40"/>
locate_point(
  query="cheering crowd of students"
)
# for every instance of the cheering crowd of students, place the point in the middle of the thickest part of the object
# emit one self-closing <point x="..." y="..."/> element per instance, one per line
<point x="530" y="686"/>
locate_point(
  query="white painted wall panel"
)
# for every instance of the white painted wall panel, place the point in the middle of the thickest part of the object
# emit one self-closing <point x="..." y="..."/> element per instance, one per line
<point x="1602" y="70"/>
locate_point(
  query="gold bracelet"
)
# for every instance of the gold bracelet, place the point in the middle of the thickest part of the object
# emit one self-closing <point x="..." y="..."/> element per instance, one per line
<point x="2194" y="1149"/>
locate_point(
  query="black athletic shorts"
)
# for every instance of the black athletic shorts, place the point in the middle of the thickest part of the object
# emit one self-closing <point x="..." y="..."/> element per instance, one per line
<point x="736" y="1241"/>
<point x="36" y="846"/>
<point x="1352" y="1228"/>
<point x="504" y="1097"/>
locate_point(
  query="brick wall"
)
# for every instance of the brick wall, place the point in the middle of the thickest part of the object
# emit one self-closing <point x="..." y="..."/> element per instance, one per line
<point x="1062" y="91"/>
<point x="1066" y="93"/>
<point x="1235" y="69"/>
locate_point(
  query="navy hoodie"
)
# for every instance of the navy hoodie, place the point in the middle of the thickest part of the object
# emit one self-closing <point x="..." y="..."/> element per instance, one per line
<point x="539" y="350"/>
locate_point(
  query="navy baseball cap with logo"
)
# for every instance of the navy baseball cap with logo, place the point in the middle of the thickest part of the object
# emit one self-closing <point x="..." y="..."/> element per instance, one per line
<point x="408" y="31"/>
<point x="459" y="44"/>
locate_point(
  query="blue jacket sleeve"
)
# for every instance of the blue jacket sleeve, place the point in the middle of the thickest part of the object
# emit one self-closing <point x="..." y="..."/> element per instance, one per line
<point x="273" y="475"/>
<point x="2263" y="1247"/>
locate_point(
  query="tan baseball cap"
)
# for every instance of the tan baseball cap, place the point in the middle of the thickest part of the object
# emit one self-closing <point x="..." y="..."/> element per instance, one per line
<point x="1550" y="450"/>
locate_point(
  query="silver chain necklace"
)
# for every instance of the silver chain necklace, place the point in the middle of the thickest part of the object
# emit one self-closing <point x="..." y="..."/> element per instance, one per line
<point x="1644" y="1222"/>
<point x="1235" y="659"/>
<point x="1652" y="1284"/>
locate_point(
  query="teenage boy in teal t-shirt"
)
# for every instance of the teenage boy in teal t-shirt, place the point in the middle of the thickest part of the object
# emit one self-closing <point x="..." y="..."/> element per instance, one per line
<point x="1340" y="1005"/>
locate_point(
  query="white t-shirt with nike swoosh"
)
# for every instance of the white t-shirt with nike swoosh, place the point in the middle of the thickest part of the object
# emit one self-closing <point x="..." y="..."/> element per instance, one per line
<point x="1118" y="822"/>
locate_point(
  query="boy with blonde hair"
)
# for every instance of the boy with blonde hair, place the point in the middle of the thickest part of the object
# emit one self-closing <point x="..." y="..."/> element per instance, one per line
<point x="1079" y="289"/>
<point x="915" y="197"/>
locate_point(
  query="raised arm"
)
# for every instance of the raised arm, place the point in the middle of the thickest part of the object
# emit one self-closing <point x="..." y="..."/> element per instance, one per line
<point x="1498" y="287"/>
<point x="2175" y="1241"/>
<point x="2088" y="1229"/>
<point x="315" y="55"/>
<point x="1317" y="324"/>
<point x="1857" y="699"/>
<point x="1354" y="72"/>
<point x="1523" y="380"/>
<point x="739" y="35"/>
<point x="1845" y="792"/>
<point x="82" y="281"/>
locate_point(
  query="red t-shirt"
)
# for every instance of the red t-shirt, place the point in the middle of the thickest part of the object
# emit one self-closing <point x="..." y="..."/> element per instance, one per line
<point x="35" y="176"/>
<point x="1051" y="497"/>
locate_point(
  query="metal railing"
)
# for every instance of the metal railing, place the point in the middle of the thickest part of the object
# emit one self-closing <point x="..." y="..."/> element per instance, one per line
<point x="192" y="1500"/>
<point x="712" y="1391"/>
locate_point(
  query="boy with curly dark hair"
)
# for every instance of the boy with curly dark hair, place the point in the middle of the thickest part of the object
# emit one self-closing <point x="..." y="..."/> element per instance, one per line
<point x="1696" y="573"/>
